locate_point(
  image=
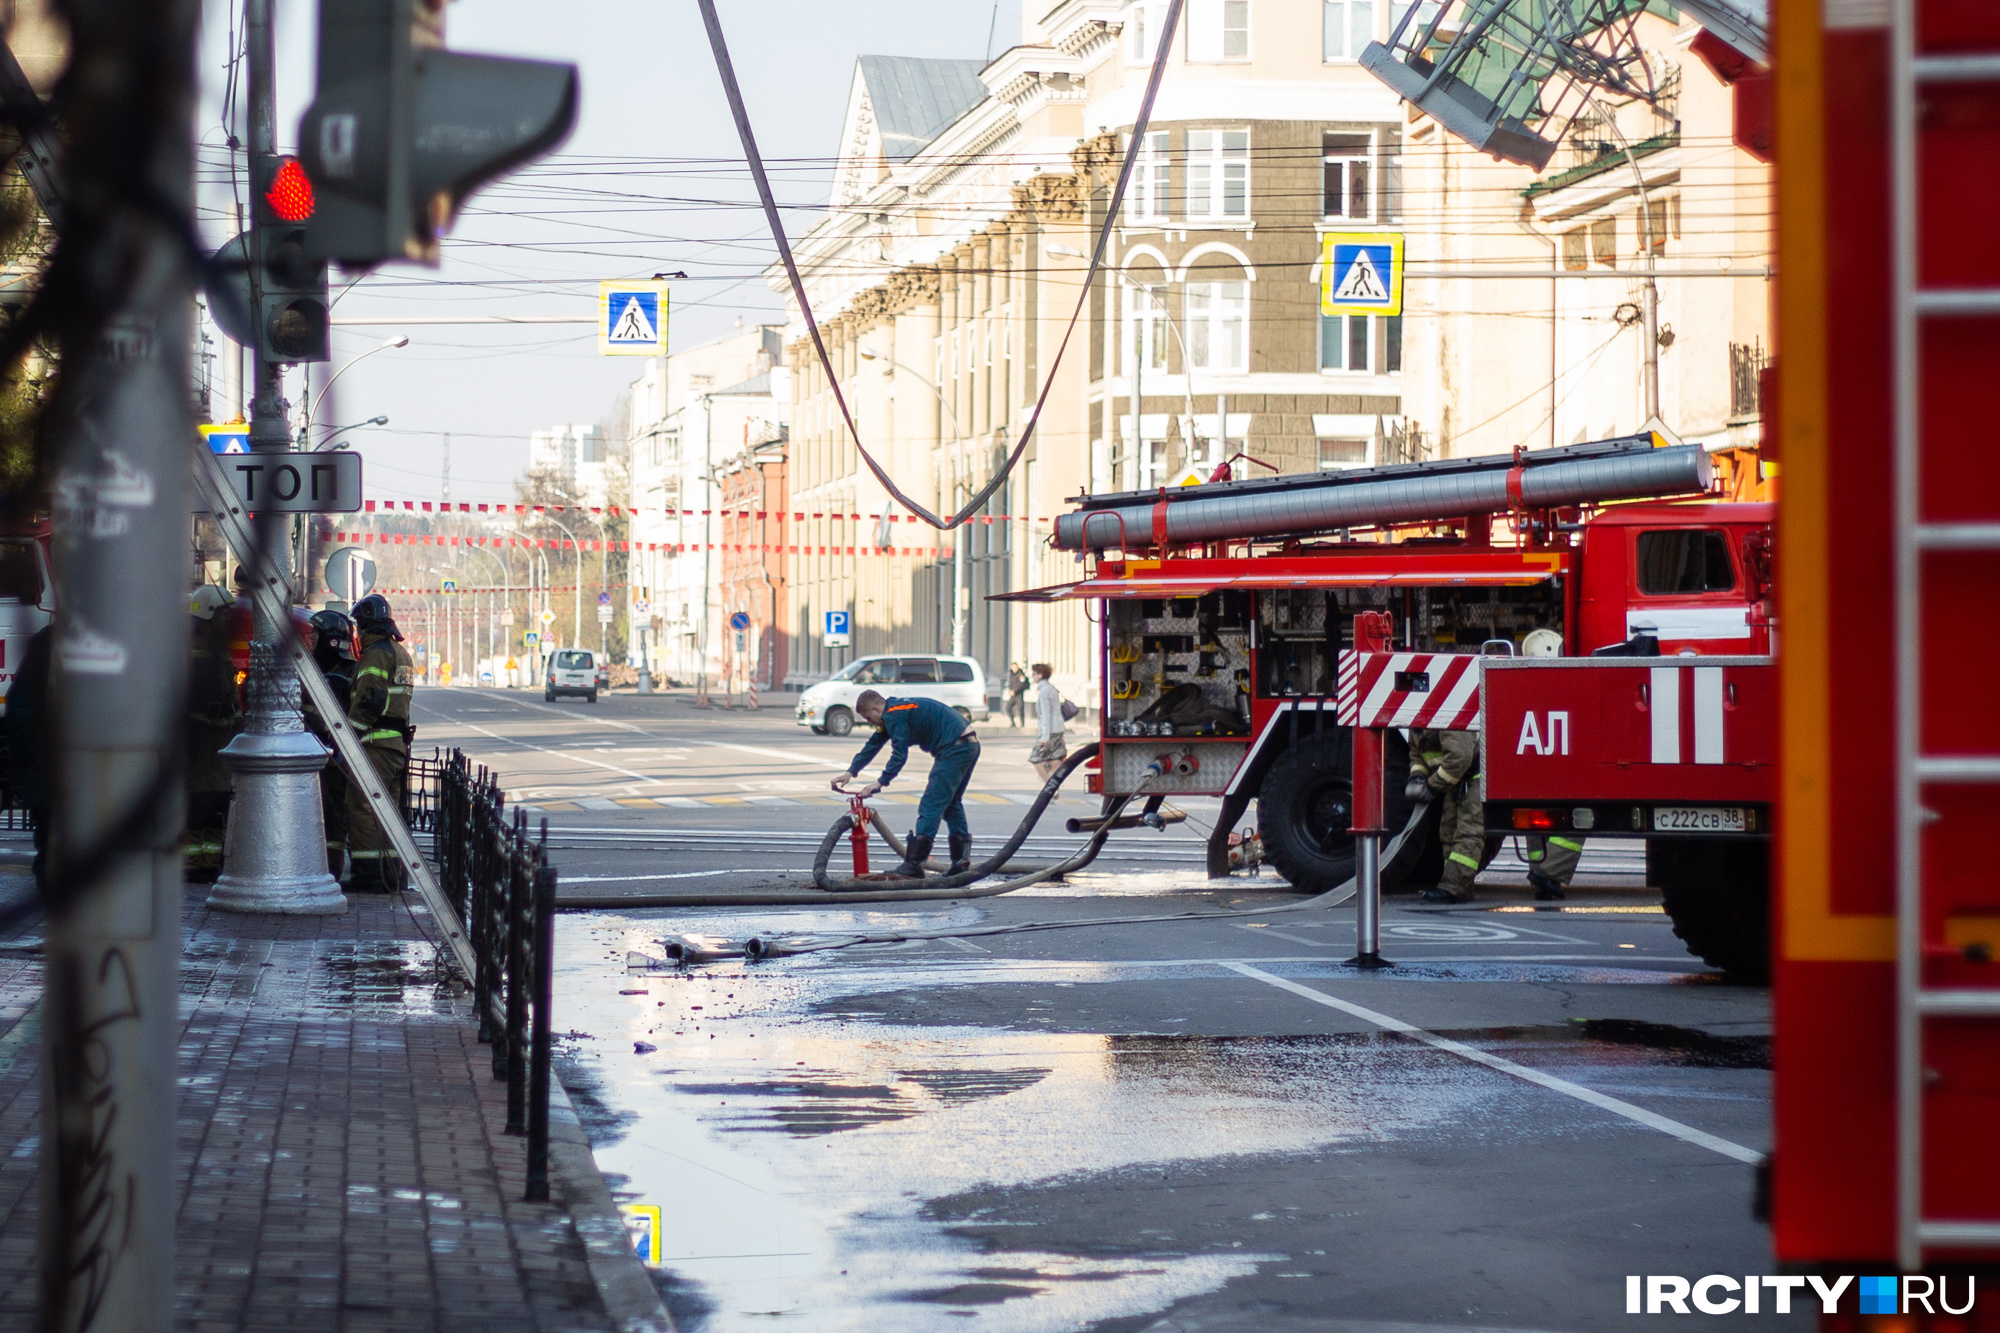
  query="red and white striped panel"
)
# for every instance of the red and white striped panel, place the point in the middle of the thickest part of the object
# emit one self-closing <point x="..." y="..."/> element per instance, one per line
<point x="1409" y="690"/>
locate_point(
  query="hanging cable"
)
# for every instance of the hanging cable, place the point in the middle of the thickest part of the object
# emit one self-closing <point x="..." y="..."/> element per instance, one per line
<point x="770" y="204"/>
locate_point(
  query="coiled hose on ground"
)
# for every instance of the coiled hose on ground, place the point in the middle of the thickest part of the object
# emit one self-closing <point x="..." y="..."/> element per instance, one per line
<point x="955" y="886"/>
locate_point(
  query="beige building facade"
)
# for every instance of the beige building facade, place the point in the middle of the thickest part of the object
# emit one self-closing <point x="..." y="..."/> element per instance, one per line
<point x="1494" y="362"/>
<point x="945" y="270"/>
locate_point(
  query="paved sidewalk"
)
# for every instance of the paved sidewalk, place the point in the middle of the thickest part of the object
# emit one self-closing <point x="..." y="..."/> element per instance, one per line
<point x="340" y="1139"/>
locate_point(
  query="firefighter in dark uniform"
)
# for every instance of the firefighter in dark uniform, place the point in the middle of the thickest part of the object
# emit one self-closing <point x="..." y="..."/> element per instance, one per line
<point x="938" y="730"/>
<point x="1444" y="767"/>
<point x="215" y="713"/>
<point x="333" y="650"/>
<point x="380" y="716"/>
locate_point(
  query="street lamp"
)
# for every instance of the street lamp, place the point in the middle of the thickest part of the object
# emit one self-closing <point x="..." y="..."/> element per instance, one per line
<point x="958" y="628"/>
<point x="401" y="340"/>
<point x="576" y="625"/>
<point x="1139" y="360"/>
<point x="372" y="421"/>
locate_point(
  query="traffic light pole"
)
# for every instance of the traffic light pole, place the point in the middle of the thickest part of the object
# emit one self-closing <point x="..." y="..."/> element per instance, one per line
<point x="274" y="857"/>
<point x="122" y="422"/>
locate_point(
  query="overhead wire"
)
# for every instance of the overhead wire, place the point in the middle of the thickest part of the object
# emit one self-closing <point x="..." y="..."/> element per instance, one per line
<point x="742" y="118"/>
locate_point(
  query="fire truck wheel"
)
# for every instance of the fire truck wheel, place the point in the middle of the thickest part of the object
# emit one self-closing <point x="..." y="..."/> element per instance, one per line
<point x="1304" y="810"/>
<point x="1718" y="894"/>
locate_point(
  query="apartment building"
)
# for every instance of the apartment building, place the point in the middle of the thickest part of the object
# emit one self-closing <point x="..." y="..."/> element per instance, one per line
<point x="950" y="261"/>
<point x="575" y="455"/>
<point x="687" y="414"/>
<point x="1501" y="355"/>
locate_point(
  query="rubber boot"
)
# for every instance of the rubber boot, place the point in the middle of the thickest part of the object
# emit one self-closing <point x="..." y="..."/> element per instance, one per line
<point x="961" y="853"/>
<point x="1546" y="889"/>
<point x="916" y="852"/>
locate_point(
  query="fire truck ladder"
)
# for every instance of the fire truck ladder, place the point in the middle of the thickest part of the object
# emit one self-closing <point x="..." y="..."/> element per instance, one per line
<point x="1916" y="769"/>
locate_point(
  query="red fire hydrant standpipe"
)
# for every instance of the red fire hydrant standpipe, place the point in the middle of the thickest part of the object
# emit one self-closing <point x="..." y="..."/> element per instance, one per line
<point x="1371" y="635"/>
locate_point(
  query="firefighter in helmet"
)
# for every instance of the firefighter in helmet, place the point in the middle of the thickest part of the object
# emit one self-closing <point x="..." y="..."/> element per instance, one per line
<point x="380" y="716"/>
<point x="333" y="651"/>
<point x="214" y="717"/>
<point x="1444" y="767"/>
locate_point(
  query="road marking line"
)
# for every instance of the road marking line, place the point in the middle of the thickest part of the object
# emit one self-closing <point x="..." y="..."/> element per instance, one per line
<point x="679" y="802"/>
<point x="598" y="803"/>
<point x="1639" y="1114"/>
<point x="770" y="800"/>
<point x="635" y="802"/>
<point x="634" y="879"/>
<point x="723" y="800"/>
<point x="787" y="755"/>
<point x="985" y="798"/>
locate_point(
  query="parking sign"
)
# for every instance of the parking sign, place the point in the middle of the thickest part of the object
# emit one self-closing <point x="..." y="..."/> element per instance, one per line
<point x="835" y="633"/>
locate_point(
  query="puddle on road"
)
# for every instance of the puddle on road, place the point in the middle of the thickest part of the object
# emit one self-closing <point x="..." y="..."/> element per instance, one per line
<point x="795" y="1148"/>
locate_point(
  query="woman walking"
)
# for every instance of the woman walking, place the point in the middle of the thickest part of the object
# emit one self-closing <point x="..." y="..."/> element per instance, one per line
<point x="1049" y="751"/>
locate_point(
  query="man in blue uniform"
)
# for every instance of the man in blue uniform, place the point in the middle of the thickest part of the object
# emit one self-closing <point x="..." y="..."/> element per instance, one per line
<point x="939" y="731"/>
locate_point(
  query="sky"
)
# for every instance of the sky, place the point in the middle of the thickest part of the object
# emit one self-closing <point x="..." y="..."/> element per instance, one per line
<point x="650" y="181"/>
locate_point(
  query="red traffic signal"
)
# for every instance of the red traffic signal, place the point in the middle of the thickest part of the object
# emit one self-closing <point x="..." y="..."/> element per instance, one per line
<point x="291" y="192"/>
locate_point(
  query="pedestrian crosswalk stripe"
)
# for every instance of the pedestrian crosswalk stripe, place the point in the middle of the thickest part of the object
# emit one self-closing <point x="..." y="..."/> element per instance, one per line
<point x="635" y="801"/>
<point x="771" y="800"/>
<point x="682" y="802"/>
<point x="723" y="800"/>
<point x="985" y="798"/>
<point x="598" y="803"/>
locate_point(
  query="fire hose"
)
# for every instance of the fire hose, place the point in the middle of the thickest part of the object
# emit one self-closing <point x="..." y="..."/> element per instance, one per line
<point x="759" y="948"/>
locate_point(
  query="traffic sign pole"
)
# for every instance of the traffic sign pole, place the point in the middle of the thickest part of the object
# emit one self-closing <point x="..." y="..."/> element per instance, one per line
<point x="274" y="855"/>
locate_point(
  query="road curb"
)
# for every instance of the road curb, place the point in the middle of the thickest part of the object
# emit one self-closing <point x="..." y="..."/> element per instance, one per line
<point x="623" y="1285"/>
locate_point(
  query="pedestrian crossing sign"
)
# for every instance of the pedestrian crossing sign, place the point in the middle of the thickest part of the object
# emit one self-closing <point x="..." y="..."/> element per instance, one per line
<point x="632" y="318"/>
<point x="233" y="438"/>
<point x="1361" y="272"/>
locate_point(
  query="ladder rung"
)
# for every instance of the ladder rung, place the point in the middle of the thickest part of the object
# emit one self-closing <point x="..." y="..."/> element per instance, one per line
<point x="1959" y="536"/>
<point x="1958" y="69"/>
<point x="1967" y="1234"/>
<point x="1959" y="1002"/>
<point x="1959" y="301"/>
<point x="1958" y="768"/>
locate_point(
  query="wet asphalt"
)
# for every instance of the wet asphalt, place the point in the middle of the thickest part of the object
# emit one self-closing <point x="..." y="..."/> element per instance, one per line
<point x="1173" y="1125"/>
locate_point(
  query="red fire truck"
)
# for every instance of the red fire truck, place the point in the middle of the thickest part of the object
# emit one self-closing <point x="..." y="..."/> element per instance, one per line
<point x="1226" y="609"/>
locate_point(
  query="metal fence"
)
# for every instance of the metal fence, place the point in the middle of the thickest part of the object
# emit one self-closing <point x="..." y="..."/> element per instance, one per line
<point x="497" y="876"/>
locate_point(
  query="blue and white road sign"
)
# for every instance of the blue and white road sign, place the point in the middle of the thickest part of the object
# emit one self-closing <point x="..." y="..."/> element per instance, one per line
<point x="741" y="620"/>
<point x="1361" y="273"/>
<point x="604" y="599"/>
<point x="230" y="439"/>
<point x="632" y="318"/>
<point x="836" y="629"/>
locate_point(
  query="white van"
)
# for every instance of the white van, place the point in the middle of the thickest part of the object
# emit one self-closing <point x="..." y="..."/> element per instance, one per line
<point x="828" y="707"/>
<point x="570" y="671"/>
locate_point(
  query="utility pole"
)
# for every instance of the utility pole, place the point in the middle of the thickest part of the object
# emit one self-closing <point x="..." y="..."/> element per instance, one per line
<point x="274" y="858"/>
<point x="121" y="304"/>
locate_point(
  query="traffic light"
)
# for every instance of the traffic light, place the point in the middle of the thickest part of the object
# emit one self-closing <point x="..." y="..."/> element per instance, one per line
<point x="401" y="132"/>
<point x="265" y="288"/>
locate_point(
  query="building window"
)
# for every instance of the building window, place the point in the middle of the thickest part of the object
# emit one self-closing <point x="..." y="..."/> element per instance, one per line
<point x="1148" y="195"/>
<point x="1146" y="330"/>
<point x="1345" y="27"/>
<point x="1344" y="176"/>
<point x="1335" y="454"/>
<point x="1361" y="344"/>
<point x="1218" y="30"/>
<point x="1604" y="242"/>
<point x="1142" y="31"/>
<point x="1218" y="325"/>
<point x="1218" y="174"/>
<point x="1656" y="225"/>
<point x="1576" y="250"/>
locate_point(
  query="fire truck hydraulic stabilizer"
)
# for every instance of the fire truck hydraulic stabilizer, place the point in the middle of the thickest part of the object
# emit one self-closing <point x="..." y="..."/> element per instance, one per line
<point x="1630" y="468"/>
